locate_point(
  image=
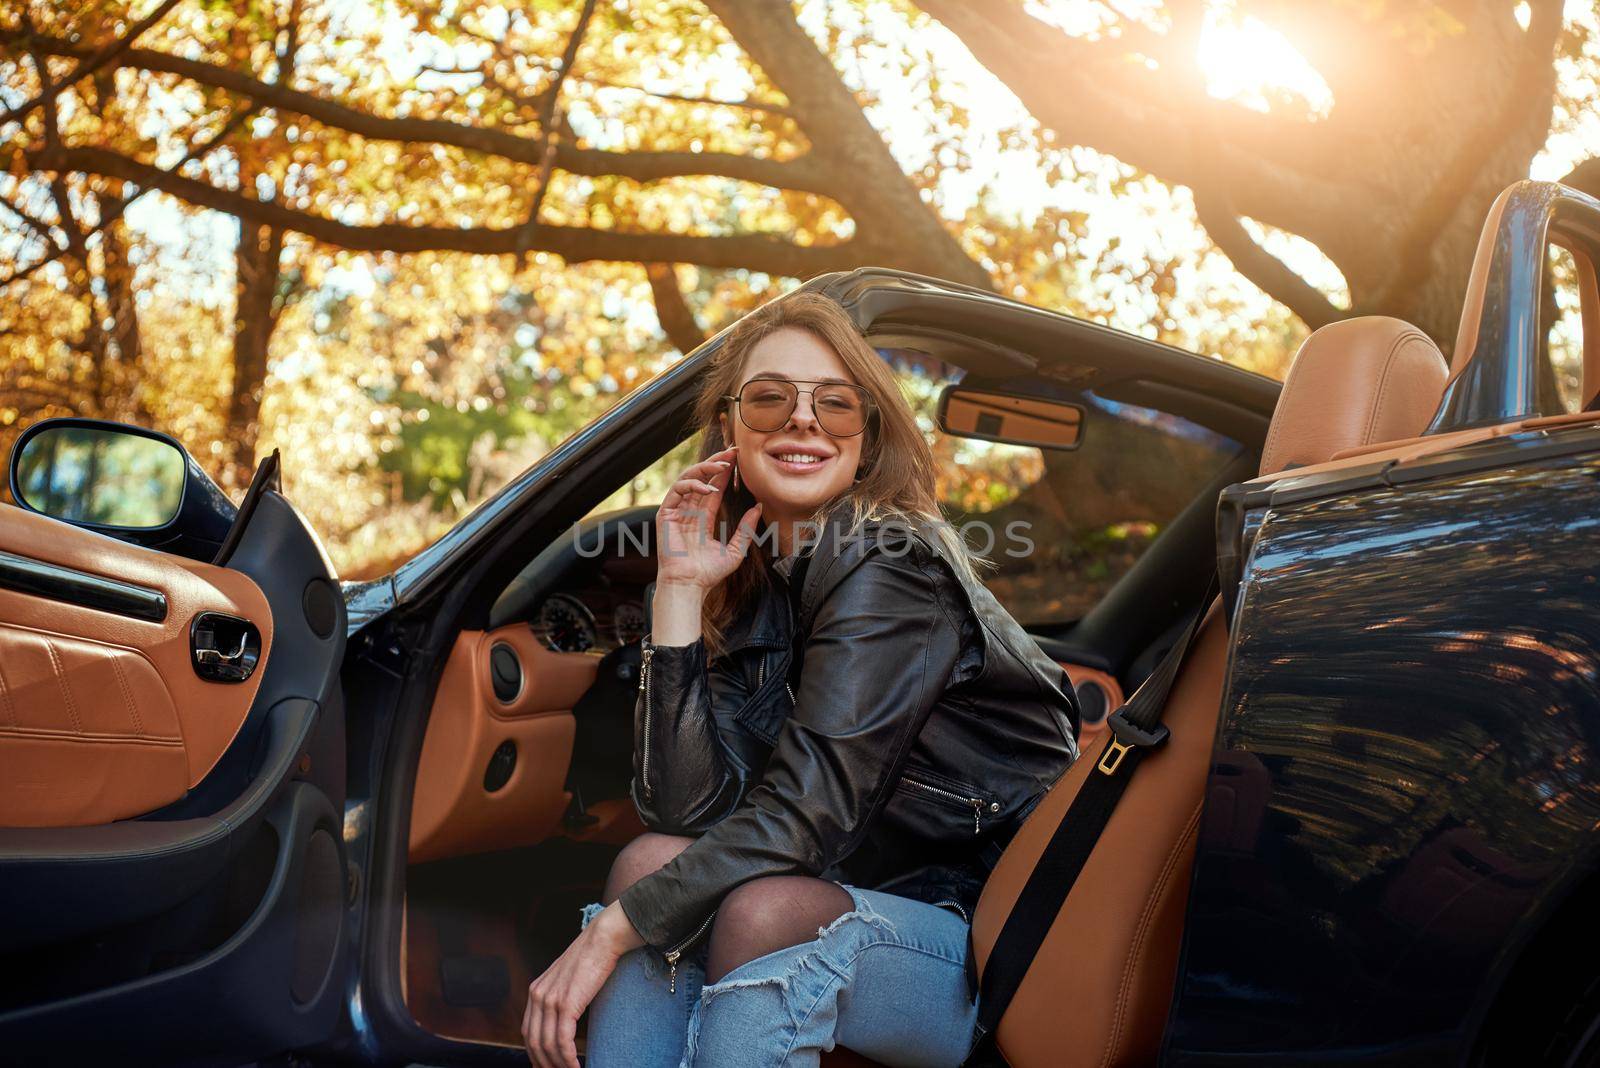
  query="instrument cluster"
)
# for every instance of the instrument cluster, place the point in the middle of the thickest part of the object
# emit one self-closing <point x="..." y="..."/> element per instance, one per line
<point x="588" y="621"/>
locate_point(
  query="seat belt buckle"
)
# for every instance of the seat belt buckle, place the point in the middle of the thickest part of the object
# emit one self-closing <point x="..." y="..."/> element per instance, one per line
<point x="1125" y="737"/>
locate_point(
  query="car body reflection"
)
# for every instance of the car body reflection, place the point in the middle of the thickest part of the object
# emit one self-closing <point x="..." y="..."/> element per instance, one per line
<point x="1406" y="777"/>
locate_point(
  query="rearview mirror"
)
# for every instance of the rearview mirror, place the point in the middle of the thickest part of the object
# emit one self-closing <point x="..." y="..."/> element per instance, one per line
<point x="1014" y="419"/>
<point x="99" y="475"/>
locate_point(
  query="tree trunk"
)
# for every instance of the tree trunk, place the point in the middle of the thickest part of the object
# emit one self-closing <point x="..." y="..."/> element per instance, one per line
<point x="1426" y="127"/>
<point x="258" y="301"/>
<point x="255" y="316"/>
<point x="1433" y="299"/>
<point x="125" y="336"/>
<point x="894" y="227"/>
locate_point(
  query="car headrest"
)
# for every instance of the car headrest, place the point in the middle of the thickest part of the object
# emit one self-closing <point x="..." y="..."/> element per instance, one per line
<point x="1353" y="383"/>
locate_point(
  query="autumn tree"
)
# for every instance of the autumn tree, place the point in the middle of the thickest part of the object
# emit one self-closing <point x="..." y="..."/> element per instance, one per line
<point x="498" y="118"/>
<point x="1435" y="108"/>
<point x="59" y="218"/>
<point x="415" y="242"/>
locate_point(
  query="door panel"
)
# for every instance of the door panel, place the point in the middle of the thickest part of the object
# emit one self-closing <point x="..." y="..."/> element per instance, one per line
<point x="274" y="984"/>
<point x="454" y="812"/>
<point x="102" y="715"/>
<point x="212" y="925"/>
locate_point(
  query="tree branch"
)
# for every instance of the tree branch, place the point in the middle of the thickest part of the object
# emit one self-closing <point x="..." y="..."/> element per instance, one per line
<point x="547" y="115"/>
<point x="574" y="244"/>
<point x="1096" y="93"/>
<point x="1585" y="177"/>
<point x="892" y="221"/>
<point x="1270" y="274"/>
<point x="803" y="173"/>
<point x="93" y="63"/>
<point x="1531" y="88"/>
<point x="38" y="226"/>
<point x="488" y="77"/>
<point x="113" y="212"/>
<point x="767" y="106"/>
<point x="673" y="312"/>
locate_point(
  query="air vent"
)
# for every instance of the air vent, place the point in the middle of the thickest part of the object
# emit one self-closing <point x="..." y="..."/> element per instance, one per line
<point x="505" y="673"/>
<point x="1091" y="703"/>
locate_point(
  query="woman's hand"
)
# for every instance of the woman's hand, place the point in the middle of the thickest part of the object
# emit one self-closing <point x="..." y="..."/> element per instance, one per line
<point x="688" y="553"/>
<point x="558" y="997"/>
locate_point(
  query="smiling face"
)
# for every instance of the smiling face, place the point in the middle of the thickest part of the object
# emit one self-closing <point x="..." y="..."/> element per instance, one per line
<point x="797" y="468"/>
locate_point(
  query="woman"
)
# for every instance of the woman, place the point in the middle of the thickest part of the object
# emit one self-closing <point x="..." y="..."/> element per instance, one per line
<point x="838" y="729"/>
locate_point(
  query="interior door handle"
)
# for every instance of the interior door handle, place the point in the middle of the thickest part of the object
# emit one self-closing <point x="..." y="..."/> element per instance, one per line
<point x="225" y="648"/>
<point x="214" y="656"/>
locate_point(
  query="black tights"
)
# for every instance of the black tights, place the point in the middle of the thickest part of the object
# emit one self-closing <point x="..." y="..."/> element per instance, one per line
<point x="756" y="918"/>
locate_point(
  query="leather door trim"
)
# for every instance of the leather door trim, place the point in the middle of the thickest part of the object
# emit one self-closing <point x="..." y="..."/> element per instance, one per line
<point x="27" y="575"/>
<point x="452" y="812"/>
<point x="86" y="674"/>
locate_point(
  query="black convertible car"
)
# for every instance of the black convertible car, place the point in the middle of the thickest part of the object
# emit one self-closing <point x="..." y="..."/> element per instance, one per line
<point x="248" y="813"/>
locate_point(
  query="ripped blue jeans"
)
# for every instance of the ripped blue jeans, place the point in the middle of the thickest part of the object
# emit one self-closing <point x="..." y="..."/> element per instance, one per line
<point x="887" y="980"/>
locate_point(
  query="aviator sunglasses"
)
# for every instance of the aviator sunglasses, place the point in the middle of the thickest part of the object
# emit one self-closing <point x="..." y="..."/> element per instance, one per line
<point x="765" y="405"/>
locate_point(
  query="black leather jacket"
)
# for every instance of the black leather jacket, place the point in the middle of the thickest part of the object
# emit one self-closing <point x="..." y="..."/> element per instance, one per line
<point x="886" y="724"/>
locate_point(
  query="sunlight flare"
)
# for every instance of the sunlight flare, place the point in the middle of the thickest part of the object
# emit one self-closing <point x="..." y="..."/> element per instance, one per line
<point x="1250" y="63"/>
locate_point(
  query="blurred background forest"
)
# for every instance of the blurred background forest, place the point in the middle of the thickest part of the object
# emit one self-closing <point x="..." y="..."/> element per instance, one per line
<point x="414" y="244"/>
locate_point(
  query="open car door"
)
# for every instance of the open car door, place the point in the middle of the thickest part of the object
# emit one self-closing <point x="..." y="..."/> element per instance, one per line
<point x="172" y="871"/>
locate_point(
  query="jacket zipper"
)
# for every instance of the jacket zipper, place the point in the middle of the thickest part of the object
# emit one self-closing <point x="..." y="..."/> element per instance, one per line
<point x="978" y="807"/>
<point x="672" y="955"/>
<point x="644" y="688"/>
<point x="675" y="954"/>
<point x="761" y="677"/>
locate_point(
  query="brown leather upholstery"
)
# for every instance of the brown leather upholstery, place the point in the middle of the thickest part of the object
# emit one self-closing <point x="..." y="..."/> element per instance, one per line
<point x="1392" y="444"/>
<point x="1477" y="285"/>
<point x="1353" y="383"/>
<point x="1112" y="953"/>
<point x="615" y="822"/>
<point x="481" y="931"/>
<point x="451" y="812"/>
<point x="102" y="716"/>
<point x="1419" y="446"/>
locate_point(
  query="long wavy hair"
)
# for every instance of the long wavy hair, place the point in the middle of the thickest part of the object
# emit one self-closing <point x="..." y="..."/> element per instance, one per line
<point x="894" y="482"/>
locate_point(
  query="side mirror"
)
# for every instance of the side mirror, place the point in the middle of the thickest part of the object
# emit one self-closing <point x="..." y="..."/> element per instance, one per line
<point x="125" y="481"/>
<point x="1015" y="419"/>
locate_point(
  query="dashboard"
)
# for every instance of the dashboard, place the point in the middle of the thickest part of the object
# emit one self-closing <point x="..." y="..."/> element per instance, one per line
<point x="586" y="592"/>
<point x="588" y="620"/>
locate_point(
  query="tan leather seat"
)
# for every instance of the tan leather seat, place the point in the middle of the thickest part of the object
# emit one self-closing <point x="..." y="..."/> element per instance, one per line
<point x="1099" y="990"/>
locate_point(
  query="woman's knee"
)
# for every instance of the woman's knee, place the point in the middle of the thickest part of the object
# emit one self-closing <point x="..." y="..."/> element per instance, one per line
<point x="766" y="915"/>
<point x="639" y="858"/>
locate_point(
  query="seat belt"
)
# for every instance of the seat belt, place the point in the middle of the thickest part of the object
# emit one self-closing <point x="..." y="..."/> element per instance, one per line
<point x="1135" y="728"/>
